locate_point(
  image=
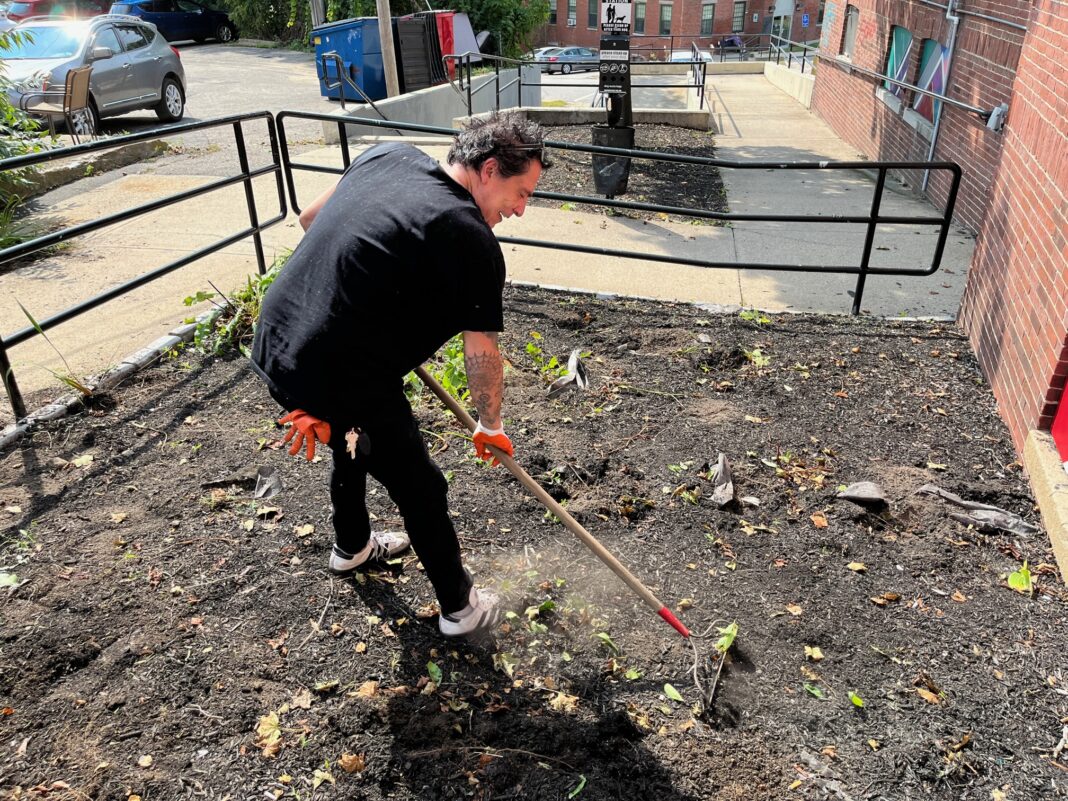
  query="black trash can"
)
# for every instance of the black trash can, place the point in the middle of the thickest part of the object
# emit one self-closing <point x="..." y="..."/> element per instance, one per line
<point x="610" y="173"/>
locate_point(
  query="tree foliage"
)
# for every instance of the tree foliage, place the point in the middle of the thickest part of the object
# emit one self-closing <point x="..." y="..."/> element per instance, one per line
<point x="512" y="22"/>
<point x="19" y="135"/>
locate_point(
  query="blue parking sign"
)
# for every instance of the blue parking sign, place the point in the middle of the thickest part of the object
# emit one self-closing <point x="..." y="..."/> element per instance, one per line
<point x="804" y="20"/>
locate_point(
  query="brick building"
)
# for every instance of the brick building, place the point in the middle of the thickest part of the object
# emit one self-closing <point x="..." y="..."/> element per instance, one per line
<point x="659" y="26"/>
<point x="1014" y="192"/>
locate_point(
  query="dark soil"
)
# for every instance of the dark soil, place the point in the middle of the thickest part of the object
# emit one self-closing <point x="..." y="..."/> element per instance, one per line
<point x="163" y="614"/>
<point x="658" y="182"/>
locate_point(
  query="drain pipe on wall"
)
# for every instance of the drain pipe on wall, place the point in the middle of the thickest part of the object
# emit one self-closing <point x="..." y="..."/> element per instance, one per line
<point x="954" y="22"/>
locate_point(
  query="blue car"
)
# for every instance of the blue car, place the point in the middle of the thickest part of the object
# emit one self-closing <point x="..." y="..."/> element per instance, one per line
<point x="179" y="20"/>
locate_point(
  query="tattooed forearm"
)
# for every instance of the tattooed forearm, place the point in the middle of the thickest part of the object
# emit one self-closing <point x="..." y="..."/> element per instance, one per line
<point x="485" y="378"/>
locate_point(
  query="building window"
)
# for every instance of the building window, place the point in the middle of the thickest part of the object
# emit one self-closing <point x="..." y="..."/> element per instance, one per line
<point x="639" y="18"/>
<point x="849" y="31"/>
<point x="934" y="64"/>
<point x="572" y="11"/>
<point x="665" y="19"/>
<point x="591" y="14"/>
<point x="738" y="23"/>
<point x="897" y="60"/>
<point x="552" y="11"/>
<point x="819" y="14"/>
<point x="708" y="13"/>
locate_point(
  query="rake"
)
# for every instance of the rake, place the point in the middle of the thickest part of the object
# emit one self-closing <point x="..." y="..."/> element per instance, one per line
<point x="547" y="500"/>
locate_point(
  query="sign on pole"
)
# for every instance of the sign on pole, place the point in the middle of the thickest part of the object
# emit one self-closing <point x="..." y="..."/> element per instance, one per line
<point x="615" y="17"/>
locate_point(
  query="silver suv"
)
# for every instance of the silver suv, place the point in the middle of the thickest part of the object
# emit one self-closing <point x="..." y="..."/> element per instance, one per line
<point x="133" y="66"/>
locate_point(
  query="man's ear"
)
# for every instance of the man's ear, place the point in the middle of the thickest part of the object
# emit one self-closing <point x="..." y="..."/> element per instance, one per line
<point x="489" y="168"/>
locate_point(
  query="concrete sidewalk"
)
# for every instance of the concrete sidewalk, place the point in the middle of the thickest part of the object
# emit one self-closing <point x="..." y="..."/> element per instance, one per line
<point x="757" y="122"/>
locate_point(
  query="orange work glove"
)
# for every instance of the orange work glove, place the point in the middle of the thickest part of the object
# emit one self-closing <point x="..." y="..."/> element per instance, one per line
<point x="305" y="429"/>
<point x="495" y="437"/>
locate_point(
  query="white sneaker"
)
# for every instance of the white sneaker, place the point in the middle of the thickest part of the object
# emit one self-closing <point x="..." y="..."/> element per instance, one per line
<point x="382" y="545"/>
<point x="479" y="617"/>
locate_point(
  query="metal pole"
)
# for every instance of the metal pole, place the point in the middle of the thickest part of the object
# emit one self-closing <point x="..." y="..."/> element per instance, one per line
<point x="18" y="405"/>
<point x="497" y="85"/>
<point x="389" y="55"/>
<point x="250" y="198"/>
<point x="467" y="71"/>
<point x="869" y="239"/>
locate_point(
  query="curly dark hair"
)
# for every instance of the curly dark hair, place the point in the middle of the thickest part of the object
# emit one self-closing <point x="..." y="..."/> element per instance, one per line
<point x="507" y="136"/>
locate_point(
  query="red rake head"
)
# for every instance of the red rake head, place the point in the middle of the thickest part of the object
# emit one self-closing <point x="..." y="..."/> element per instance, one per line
<point x="674" y="622"/>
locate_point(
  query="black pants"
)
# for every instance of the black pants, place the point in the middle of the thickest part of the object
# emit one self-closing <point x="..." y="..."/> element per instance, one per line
<point x="393" y="452"/>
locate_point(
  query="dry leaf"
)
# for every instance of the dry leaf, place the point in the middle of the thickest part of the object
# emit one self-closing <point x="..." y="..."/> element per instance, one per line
<point x="84" y="460"/>
<point x="814" y="653"/>
<point x="269" y="734"/>
<point x="321" y="776"/>
<point x="959" y="596"/>
<point x="352" y="763"/>
<point x="873" y="744"/>
<point x="336" y="629"/>
<point x="857" y="567"/>
<point x="304" y="531"/>
<point x="684" y="604"/>
<point x="819" y="520"/>
<point x="562" y="702"/>
<point x="793" y="609"/>
<point x="751" y="419"/>
<point x="928" y="696"/>
<point x="830" y="751"/>
<point x="360" y="647"/>
<point x="302" y="698"/>
<point x="118" y="517"/>
<point x="367" y="690"/>
<point x="879" y="601"/>
<point x="145" y="761"/>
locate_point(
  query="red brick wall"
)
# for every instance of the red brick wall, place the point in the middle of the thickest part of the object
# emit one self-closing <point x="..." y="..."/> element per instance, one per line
<point x="685" y="24"/>
<point x="981" y="74"/>
<point x="1015" y="307"/>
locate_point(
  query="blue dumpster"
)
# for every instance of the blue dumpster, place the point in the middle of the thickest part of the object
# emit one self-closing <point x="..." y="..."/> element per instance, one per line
<point x="358" y="44"/>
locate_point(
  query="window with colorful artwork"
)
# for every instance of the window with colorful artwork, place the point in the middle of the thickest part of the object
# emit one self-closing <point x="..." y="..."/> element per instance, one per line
<point x="934" y="64"/>
<point x="897" y="60"/>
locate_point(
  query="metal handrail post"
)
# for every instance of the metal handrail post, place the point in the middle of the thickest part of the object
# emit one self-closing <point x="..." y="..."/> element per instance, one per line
<point x="250" y="198"/>
<point x="497" y="85"/>
<point x="467" y="70"/>
<point x="14" y="396"/>
<point x="869" y="240"/>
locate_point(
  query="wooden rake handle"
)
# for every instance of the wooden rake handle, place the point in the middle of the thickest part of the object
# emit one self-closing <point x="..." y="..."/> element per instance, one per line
<point x="561" y="513"/>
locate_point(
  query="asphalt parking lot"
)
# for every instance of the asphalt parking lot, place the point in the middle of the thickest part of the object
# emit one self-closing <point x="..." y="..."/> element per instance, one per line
<point x="229" y="79"/>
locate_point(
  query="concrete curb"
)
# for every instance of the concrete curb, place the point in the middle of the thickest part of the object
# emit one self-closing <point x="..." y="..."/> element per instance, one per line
<point x="136" y="361"/>
<point x="1049" y="481"/>
<point x="75" y="168"/>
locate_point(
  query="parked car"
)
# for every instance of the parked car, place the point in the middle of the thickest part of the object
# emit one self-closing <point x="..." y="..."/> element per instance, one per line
<point x="568" y="59"/>
<point x="133" y="66"/>
<point x="179" y="20"/>
<point x="19" y="10"/>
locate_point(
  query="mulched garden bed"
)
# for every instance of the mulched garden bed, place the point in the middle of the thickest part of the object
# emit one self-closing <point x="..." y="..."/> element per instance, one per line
<point x="659" y="182"/>
<point x="172" y="637"/>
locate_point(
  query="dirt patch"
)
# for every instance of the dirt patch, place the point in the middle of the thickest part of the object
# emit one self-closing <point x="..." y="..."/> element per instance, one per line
<point x="657" y="182"/>
<point x="162" y="614"/>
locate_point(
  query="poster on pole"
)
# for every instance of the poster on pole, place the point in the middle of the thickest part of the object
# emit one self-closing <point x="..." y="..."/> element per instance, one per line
<point x="615" y="17"/>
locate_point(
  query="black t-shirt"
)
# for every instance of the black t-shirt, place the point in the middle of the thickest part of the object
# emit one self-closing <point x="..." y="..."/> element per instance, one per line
<point x="397" y="261"/>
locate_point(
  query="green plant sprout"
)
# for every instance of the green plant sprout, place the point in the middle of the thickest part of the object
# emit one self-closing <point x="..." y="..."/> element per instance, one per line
<point x="67" y="378"/>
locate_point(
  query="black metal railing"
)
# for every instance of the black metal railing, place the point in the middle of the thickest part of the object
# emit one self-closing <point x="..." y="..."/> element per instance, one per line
<point x="872" y="219"/>
<point x="244" y="177"/>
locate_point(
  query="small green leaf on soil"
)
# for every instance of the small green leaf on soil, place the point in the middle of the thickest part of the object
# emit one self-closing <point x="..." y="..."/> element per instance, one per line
<point x="726" y="638"/>
<point x="604" y="638"/>
<point x="327" y="686"/>
<point x="145" y="761"/>
<point x="937" y="466"/>
<point x="578" y="787"/>
<point x="1021" y="580"/>
<point x="633" y="674"/>
<point x="856" y="699"/>
<point x="857" y="567"/>
<point x="565" y="656"/>
<point x="320" y="777"/>
<point x="814" y="691"/>
<point x="434" y="672"/>
<point x="672" y="693"/>
<point x="505" y="663"/>
<point x="84" y="460"/>
<point x="8" y="579"/>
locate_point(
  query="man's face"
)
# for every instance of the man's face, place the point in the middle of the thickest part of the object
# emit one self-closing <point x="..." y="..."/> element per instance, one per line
<point x="498" y="197"/>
